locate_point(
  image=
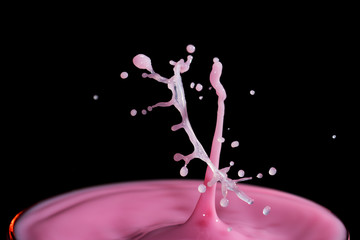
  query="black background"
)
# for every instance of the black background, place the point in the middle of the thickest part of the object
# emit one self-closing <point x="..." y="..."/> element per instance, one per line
<point x="57" y="138"/>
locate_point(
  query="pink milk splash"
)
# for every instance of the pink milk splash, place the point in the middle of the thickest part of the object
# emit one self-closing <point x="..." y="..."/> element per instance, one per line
<point x="206" y="203"/>
<point x="173" y="209"/>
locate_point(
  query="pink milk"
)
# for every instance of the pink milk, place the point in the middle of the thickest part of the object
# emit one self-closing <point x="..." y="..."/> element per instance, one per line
<point x="131" y="210"/>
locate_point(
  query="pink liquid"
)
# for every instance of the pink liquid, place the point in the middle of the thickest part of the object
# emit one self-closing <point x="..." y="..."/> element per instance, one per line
<point x="160" y="209"/>
<point x="130" y="210"/>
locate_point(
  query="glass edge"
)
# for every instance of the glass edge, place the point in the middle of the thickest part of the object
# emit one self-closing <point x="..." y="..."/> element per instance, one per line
<point x="11" y="232"/>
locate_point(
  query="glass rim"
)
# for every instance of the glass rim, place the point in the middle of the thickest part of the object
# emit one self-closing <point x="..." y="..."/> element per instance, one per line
<point x="11" y="232"/>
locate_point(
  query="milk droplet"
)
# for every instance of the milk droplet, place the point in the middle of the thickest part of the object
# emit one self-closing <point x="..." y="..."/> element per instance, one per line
<point x="232" y="163"/>
<point x="192" y="85"/>
<point x="184" y="171"/>
<point x="133" y="112"/>
<point x="95" y="97"/>
<point x="143" y="62"/>
<point x="178" y="157"/>
<point x="199" y="87"/>
<point x="202" y="188"/>
<point x="143" y="112"/>
<point x="272" y="171"/>
<point x="333" y="136"/>
<point x="149" y="108"/>
<point x="224" y="202"/>
<point x="252" y="92"/>
<point x="266" y="210"/>
<point x="201" y="97"/>
<point x="241" y="173"/>
<point x="235" y="144"/>
<point x="221" y="139"/>
<point x="259" y="175"/>
<point x="124" y="75"/>
<point x="190" y="48"/>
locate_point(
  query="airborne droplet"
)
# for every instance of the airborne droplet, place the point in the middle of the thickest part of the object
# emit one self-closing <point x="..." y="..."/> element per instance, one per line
<point x="202" y="188"/>
<point x="133" y="112"/>
<point x="224" y="202"/>
<point x="184" y="171"/>
<point x="190" y="48"/>
<point x="272" y="171"/>
<point x="235" y="144"/>
<point x="124" y="75"/>
<point x="266" y="210"/>
<point x="199" y="87"/>
<point x="241" y="173"/>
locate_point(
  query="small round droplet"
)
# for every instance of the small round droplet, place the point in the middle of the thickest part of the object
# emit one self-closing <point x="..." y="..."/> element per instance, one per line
<point x="266" y="210"/>
<point x="190" y="48"/>
<point x="221" y="139"/>
<point x="133" y="112"/>
<point x="202" y="188"/>
<point x="201" y="97"/>
<point x="184" y="171"/>
<point x="96" y="97"/>
<point x="143" y="112"/>
<point x="224" y="202"/>
<point x="272" y="171"/>
<point x="252" y="92"/>
<point x="149" y="108"/>
<point x="333" y="136"/>
<point x="241" y="173"/>
<point x="192" y="85"/>
<point x="124" y="75"/>
<point x="235" y="144"/>
<point x="199" y="87"/>
<point x="232" y="163"/>
<point x="260" y="175"/>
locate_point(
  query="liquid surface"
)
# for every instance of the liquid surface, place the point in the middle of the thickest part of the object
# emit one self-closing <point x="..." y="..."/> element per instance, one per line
<point x="130" y="210"/>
